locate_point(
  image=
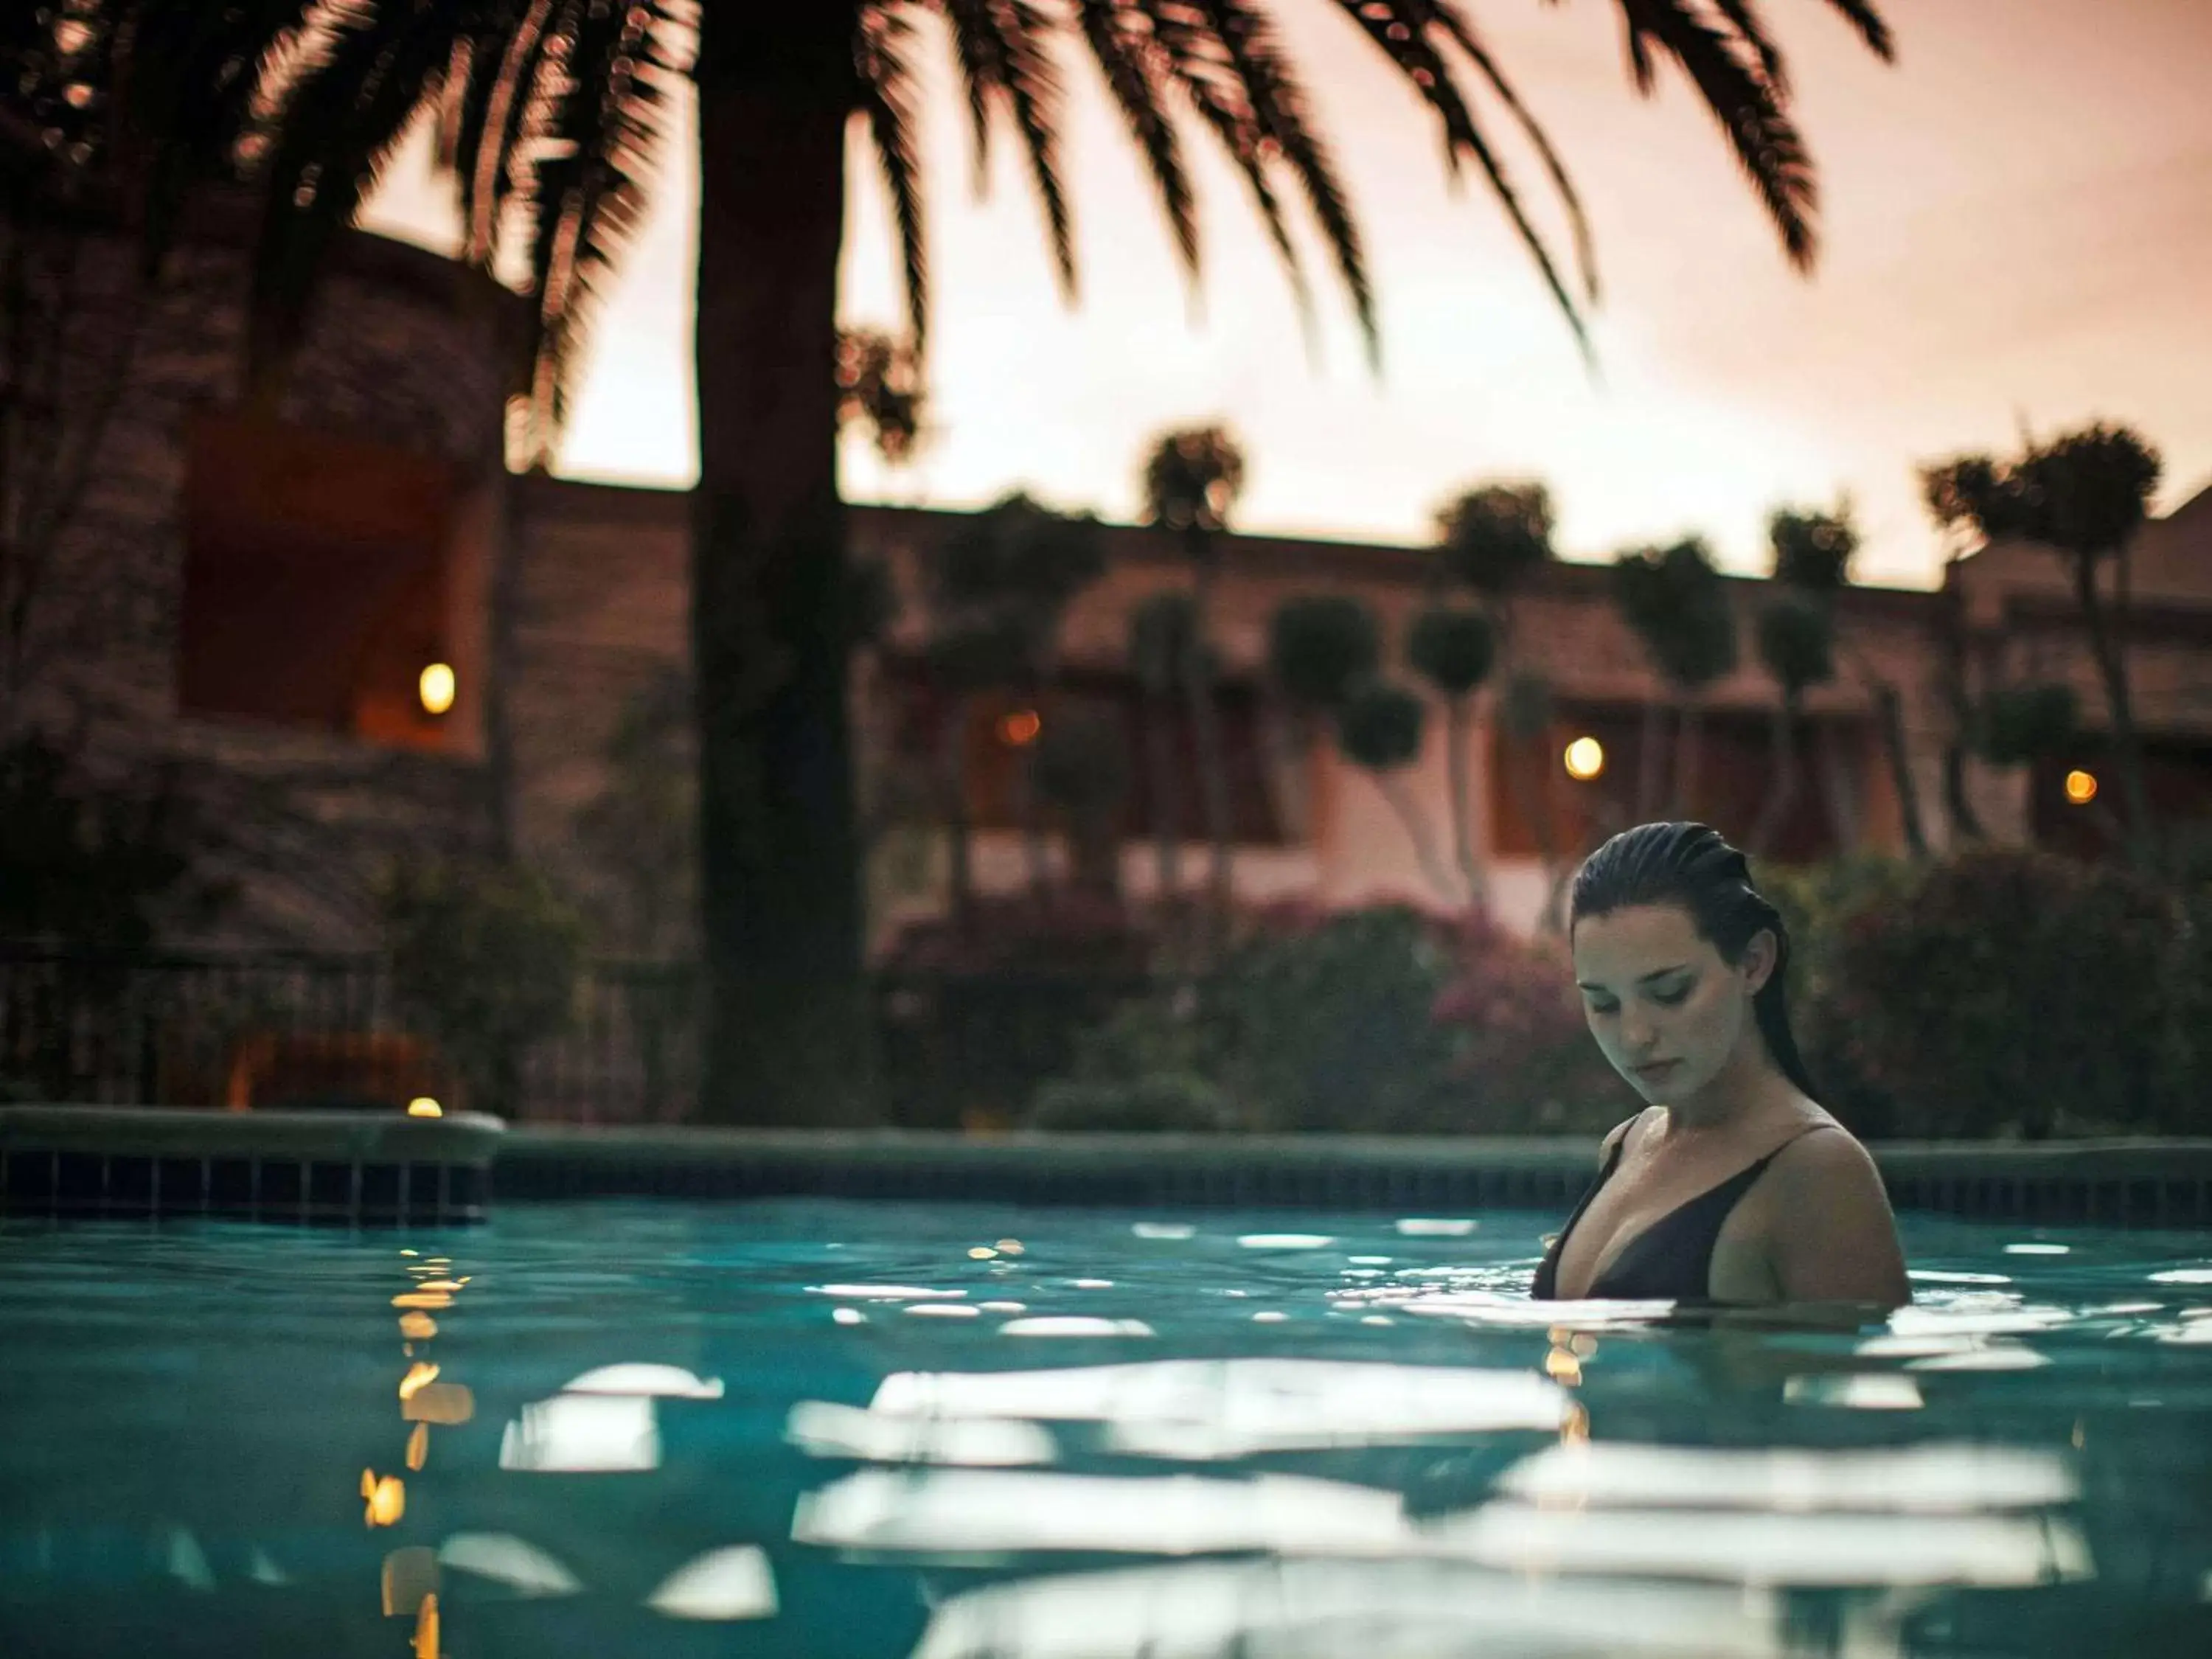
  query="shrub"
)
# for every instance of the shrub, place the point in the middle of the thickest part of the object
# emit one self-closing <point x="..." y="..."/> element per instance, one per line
<point x="1818" y="903"/>
<point x="1159" y="1101"/>
<point x="485" y="959"/>
<point x="1381" y="1021"/>
<point x="2005" y="993"/>
<point x="1524" y="1050"/>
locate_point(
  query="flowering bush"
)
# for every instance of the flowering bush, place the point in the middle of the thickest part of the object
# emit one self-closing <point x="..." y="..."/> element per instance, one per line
<point x="1378" y="1021"/>
<point x="2005" y="993"/>
<point x="1523" y="1048"/>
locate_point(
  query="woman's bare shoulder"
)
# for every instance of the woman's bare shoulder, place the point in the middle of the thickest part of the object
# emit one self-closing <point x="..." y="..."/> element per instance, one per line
<point x="1618" y="1133"/>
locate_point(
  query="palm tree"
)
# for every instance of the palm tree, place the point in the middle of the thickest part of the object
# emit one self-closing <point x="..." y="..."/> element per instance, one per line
<point x="550" y="114"/>
<point x="1192" y="480"/>
<point x="1813" y="552"/>
<point x="1002" y="582"/>
<point x="1320" y="645"/>
<point x="1378" y="730"/>
<point x="1494" y="539"/>
<point x="2084" y="495"/>
<point x="1678" y="605"/>
<point x="1796" y="646"/>
<point x="1452" y="647"/>
<point x="1159" y="630"/>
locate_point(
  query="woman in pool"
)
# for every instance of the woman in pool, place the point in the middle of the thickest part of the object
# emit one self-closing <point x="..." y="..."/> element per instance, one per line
<point x="1733" y="1185"/>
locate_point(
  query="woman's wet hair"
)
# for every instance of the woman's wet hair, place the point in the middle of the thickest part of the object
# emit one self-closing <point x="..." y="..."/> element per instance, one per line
<point x="1689" y="865"/>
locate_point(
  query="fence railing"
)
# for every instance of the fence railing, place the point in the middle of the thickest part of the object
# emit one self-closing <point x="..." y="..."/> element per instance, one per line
<point x="288" y="1028"/>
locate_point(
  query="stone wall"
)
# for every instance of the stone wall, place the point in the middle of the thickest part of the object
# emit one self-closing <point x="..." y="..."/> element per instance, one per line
<point x="403" y="349"/>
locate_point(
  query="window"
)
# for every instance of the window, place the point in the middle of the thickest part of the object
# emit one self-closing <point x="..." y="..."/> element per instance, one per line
<point x="1004" y="725"/>
<point x="317" y="583"/>
<point x="2078" y="804"/>
<point x="1735" y="770"/>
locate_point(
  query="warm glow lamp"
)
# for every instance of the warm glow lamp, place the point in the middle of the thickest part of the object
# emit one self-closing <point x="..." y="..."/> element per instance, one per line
<point x="435" y="687"/>
<point x="2081" y="788"/>
<point x="1585" y="758"/>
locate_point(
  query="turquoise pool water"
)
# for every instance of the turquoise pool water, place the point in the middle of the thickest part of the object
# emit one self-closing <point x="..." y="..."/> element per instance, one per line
<point x="960" y="1430"/>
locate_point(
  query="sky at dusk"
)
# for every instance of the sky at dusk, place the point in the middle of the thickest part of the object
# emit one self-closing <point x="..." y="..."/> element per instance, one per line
<point x="2016" y="226"/>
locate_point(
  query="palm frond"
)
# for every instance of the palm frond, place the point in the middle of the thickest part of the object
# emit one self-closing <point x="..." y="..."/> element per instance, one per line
<point x="1742" y="16"/>
<point x="1196" y="63"/>
<point x="1408" y="32"/>
<point x="1279" y="106"/>
<point x="1122" y="42"/>
<point x="1003" y="51"/>
<point x="1872" y="29"/>
<point x="350" y="102"/>
<point x="496" y="109"/>
<point x="1469" y="43"/>
<point x="1033" y="87"/>
<point x="1748" y="108"/>
<point x="889" y="94"/>
<point x="604" y="122"/>
<point x="187" y="86"/>
<point x="981" y="51"/>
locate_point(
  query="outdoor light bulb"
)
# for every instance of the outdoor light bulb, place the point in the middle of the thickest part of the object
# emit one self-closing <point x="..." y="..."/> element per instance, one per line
<point x="436" y="688"/>
<point x="1585" y="758"/>
<point x="1020" y="728"/>
<point x="2081" y="788"/>
<point x="423" y="1106"/>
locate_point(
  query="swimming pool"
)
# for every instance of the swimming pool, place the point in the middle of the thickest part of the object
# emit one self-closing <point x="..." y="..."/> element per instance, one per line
<point x="837" y="1428"/>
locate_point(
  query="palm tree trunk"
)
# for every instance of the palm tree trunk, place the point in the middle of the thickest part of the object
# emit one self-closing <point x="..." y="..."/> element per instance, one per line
<point x="1458" y="727"/>
<point x="789" y="1034"/>
<point x="1206" y="729"/>
<point x="959" y="842"/>
<point x="1417" y="830"/>
<point x="1889" y="720"/>
<point x="1774" y="810"/>
<point x="1689" y="737"/>
<point x="1648" y="760"/>
<point x="1167" y="801"/>
<point x="2112" y="667"/>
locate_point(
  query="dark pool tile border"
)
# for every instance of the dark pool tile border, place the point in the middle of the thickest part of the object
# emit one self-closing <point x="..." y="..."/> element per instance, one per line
<point x="2125" y="1183"/>
<point x="376" y="1169"/>
<point x="301" y="1168"/>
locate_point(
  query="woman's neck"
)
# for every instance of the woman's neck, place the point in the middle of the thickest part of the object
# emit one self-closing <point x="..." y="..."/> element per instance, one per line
<point x="1746" y="1085"/>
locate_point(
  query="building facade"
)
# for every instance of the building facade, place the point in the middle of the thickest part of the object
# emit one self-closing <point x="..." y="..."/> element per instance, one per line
<point x="370" y="643"/>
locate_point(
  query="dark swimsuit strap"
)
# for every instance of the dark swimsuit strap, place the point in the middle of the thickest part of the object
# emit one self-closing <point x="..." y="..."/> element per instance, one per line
<point x="1721" y="1196"/>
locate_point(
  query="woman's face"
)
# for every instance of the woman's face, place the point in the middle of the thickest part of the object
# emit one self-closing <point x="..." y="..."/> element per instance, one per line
<point x="1667" y="1012"/>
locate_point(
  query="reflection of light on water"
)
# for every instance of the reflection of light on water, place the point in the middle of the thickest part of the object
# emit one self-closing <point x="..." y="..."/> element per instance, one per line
<point x="1856" y="1392"/>
<point x="1931" y="1276"/>
<point x="505" y="1559"/>
<point x="188" y="1562"/>
<point x="1211" y="1409"/>
<point x="1285" y="1241"/>
<point x="1435" y="1227"/>
<point x="823" y="1430"/>
<point x="1766" y="1548"/>
<point x="419" y="1447"/>
<point x="968" y="1513"/>
<point x="664" y="1382"/>
<point x="1920" y="1479"/>
<point x="1074" y="1325"/>
<point x="582" y="1434"/>
<point x="990" y="1512"/>
<point x="2039" y="1249"/>
<point x="1164" y="1230"/>
<point x="409" y="1576"/>
<point x="724" y="1584"/>
<point x="387" y="1498"/>
<point x="2183" y="1276"/>
<point x="945" y="1309"/>
<point x="1329" y="1608"/>
<point x="885" y="1292"/>
<point x="418" y="1374"/>
<point x="443" y="1403"/>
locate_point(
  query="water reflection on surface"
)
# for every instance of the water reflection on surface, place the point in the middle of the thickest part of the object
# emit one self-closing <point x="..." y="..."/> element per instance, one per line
<point x="889" y="1429"/>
